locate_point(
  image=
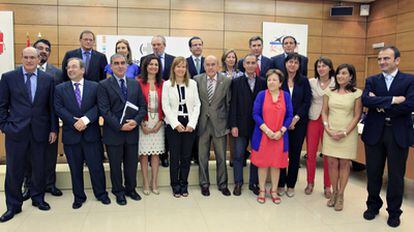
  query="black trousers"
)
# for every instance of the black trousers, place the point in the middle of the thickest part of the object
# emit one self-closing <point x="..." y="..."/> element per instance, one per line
<point x="17" y="152"/>
<point x="180" y="147"/>
<point x="296" y="138"/>
<point x="386" y="150"/>
<point x="126" y="156"/>
<point x="77" y="155"/>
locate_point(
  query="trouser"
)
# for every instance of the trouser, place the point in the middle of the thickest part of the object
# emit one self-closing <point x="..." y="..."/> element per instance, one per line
<point x="240" y="144"/>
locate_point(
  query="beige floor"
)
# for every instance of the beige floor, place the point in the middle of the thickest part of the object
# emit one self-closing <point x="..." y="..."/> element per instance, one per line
<point x="214" y="213"/>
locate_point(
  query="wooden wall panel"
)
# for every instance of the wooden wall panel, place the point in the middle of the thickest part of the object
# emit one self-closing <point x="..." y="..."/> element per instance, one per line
<point x="258" y="7"/>
<point x="301" y="9"/>
<point x="406" y="62"/>
<point x="211" y="39"/>
<point x="314" y="44"/>
<point x="341" y="45"/>
<point x="246" y="23"/>
<point x="196" y="20"/>
<point x="87" y="16"/>
<point x="387" y="39"/>
<point x="383" y="9"/>
<point x="357" y="60"/>
<point x="53" y="59"/>
<point x="385" y="26"/>
<point x="237" y="40"/>
<point x="405" y="6"/>
<point x="63" y="49"/>
<point x="405" y="41"/>
<point x="198" y="5"/>
<point x="131" y="17"/>
<point x="32" y="15"/>
<point x="69" y="35"/>
<point x="355" y="29"/>
<point x="405" y="22"/>
<point x="314" y="25"/>
<point x="215" y="52"/>
<point x="108" y="3"/>
<point x="47" y="32"/>
<point x="149" y="4"/>
<point x="312" y="57"/>
<point x="142" y="31"/>
<point x="37" y="2"/>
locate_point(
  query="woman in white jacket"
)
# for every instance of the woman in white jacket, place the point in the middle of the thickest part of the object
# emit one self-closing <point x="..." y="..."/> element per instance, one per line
<point x="181" y="106"/>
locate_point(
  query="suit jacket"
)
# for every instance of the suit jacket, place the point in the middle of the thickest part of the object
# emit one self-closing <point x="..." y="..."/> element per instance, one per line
<point x="217" y="111"/>
<point x="111" y="105"/>
<point x="241" y="106"/>
<point x="266" y="64"/>
<point x="279" y="63"/>
<point x="167" y="62"/>
<point x="18" y="115"/>
<point x="192" y="68"/>
<point x="67" y="108"/>
<point x="55" y="72"/>
<point x="301" y="97"/>
<point x="400" y="115"/>
<point x="96" y="67"/>
<point x="171" y="101"/>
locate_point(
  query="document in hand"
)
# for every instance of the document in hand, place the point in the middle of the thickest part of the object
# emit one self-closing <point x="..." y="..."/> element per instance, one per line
<point x="129" y="112"/>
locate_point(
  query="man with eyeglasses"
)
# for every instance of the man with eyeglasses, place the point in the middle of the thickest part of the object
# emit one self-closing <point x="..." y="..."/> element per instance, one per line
<point x="94" y="61"/>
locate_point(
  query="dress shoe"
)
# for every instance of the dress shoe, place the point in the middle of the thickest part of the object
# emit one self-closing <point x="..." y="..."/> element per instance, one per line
<point x="54" y="191"/>
<point x="339" y="204"/>
<point x="9" y="214"/>
<point x="393" y="221"/>
<point x="26" y="194"/>
<point x="370" y="214"/>
<point x="76" y="205"/>
<point x="237" y="190"/>
<point x="120" y="200"/>
<point x="42" y="205"/>
<point x="290" y="192"/>
<point x="105" y="200"/>
<point x="133" y="195"/>
<point x="309" y="189"/>
<point x="255" y="189"/>
<point x="225" y="191"/>
<point x="205" y="191"/>
<point x="165" y="163"/>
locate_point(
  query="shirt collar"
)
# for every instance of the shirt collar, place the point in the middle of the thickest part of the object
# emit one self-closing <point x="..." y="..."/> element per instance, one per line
<point x="24" y="71"/>
<point x="247" y="76"/>
<point x="44" y="66"/>
<point x="119" y="78"/>
<point x="83" y="51"/>
<point x="80" y="82"/>
<point x="393" y="74"/>
<point x="259" y="57"/>
<point x="195" y="57"/>
<point x="214" y="78"/>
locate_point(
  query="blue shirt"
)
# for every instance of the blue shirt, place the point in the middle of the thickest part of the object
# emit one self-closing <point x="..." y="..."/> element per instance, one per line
<point x="84" y="57"/>
<point x="33" y="83"/>
<point x="132" y="71"/>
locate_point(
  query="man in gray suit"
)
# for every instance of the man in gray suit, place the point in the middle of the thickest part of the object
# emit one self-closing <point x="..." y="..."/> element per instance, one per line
<point x="215" y="94"/>
<point x="44" y="48"/>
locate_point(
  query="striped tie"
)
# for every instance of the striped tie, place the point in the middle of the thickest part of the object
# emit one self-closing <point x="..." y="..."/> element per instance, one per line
<point x="210" y="89"/>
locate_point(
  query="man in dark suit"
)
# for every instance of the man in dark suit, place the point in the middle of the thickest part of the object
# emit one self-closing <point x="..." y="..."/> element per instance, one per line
<point x="76" y="104"/>
<point x="44" y="48"/>
<point x="289" y="45"/>
<point x="121" y="137"/>
<point x="243" y="92"/>
<point x="27" y="119"/>
<point x="158" y="44"/>
<point x="263" y="63"/>
<point x="196" y="60"/>
<point x="215" y="95"/>
<point x="388" y="133"/>
<point x="95" y="61"/>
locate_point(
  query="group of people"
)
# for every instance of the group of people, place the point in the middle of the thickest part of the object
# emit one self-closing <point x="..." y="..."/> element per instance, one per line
<point x="181" y="106"/>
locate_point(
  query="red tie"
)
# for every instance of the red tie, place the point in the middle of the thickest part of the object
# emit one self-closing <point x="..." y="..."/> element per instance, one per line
<point x="257" y="70"/>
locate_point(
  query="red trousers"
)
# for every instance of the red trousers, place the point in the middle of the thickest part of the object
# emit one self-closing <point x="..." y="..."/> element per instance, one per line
<point x="314" y="135"/>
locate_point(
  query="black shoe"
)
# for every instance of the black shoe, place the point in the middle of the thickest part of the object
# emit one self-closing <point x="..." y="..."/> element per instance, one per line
<point x="165" y="163"/>
<point x="76" y="205"/>
<point x="133" y="195"/>
<point x="205" y="191"/>
<point x="42" y="205"/>
<point x="255" y="189"/>
<point x="120" y="200"/>
<point x="54" y="191"/>
<point x="231" y="163"/>
<point x="105" y="200"/>
<point x="393" y="221"/>
<point x="26" y="194"/>
<point x="9" y="214"/>
<point x="237" y="190"/>
<point x="225" y="191"/>
<point x="370" y="214"/>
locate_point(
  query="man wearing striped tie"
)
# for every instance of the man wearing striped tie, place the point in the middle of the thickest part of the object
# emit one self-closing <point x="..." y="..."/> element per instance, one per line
<point x="214" y="91"/>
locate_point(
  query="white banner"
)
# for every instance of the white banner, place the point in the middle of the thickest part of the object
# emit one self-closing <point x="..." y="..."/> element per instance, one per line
<point x="141" y="45"/>
<point x="6" y="42"/>
<point x="273" y="34"/>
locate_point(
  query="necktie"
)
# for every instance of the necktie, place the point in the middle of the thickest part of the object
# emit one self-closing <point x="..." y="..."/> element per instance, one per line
<point x="257" y="71"/>
<point x="197" y="60"/>
<point x="87" y="60"/>
<point x="123" y="89"/>
<point x="210" y="89"/>
<point x="78" y="94"/>
<point x="29" y="85"/>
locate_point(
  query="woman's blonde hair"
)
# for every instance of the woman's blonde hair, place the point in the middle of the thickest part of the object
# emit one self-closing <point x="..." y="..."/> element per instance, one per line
<point x="175" y="63"/>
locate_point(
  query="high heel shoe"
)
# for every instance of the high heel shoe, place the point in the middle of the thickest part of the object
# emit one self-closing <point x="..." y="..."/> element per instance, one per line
<point x="331" y="202"/>
<point x="327" y="192"/>
<point x="339" y="204"/>
<point x="155" y="191"/>
<point x="309" y="189"/>
<point x="275" y="198"/>
<point x="260" y="199"/>
<point x="146" y="191"/>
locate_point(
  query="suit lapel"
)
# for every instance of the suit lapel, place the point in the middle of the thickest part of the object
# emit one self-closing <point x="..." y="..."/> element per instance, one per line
<point x="117" y="89"/>
<point x="218" y="86"/>
<point x="71" y="93"/>
<point x="85" y="93"/>
<point x="129" y="88"/>
<point x="203" y="87"/>
<point x="21" y="84"/>
<point x="382" y="86"/>
<point x="394" y="82"/>
<point x="191" y="66"/>
<point x="39" y="84"/>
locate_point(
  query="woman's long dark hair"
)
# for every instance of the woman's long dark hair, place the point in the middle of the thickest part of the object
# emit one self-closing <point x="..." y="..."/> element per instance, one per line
<point x="327" y="62"/>
<point x="144" y="72"/>
<point x="293" y="56"/>
<point x="352" y="83"/>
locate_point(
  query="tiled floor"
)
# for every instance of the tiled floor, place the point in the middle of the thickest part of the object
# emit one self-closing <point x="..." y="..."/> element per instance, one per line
<point x="214" y="213"/>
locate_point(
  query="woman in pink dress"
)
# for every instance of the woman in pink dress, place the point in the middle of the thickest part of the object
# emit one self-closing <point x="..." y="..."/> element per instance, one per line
<point x="272" y="113"/>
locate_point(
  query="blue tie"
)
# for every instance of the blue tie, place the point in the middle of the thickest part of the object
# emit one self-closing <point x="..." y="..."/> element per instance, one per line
<point x="29" y="85"/>
<point x="123" y="89"/>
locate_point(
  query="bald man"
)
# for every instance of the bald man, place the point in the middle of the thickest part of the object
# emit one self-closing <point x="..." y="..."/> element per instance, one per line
<point x="28" y="121"/>
<point x="215" y="94"/>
